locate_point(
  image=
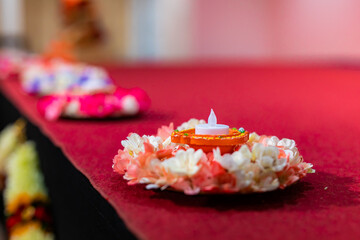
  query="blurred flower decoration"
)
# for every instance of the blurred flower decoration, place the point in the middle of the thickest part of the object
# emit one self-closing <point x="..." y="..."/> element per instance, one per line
<point x="25" y="194"/>
<point x="118" y="102"/>
<point x="59" y="76"/>
<point x="11" y="137"/>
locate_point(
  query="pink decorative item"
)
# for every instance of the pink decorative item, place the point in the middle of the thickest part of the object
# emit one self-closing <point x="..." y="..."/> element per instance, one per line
<point x="116" y="103"/>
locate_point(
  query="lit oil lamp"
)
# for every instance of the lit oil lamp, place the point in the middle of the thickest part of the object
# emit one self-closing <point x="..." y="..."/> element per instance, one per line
<point x="211" y="135"/>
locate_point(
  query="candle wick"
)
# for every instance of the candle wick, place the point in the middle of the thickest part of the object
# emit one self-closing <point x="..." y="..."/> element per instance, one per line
<point x="212" y="118"/>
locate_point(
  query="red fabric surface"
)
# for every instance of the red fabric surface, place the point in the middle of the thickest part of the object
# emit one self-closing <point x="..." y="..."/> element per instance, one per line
<point x="318" y="107"/>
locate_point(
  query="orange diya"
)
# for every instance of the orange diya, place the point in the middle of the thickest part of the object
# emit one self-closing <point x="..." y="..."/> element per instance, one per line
<point x="227" y="143"/>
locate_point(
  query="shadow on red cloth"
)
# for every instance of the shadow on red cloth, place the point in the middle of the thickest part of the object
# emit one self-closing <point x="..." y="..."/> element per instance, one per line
<point x="304" y="195"/>
<point x="149" y="115"/>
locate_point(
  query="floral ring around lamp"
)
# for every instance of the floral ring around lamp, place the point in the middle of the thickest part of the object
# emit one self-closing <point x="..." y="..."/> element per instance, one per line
<point x="210" y="159"/>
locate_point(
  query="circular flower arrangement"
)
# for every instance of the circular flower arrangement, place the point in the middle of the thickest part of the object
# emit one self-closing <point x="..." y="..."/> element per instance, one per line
<point x="40" y="77"/>
<point x="263" y="163"/>
<point x="116" y="103"/>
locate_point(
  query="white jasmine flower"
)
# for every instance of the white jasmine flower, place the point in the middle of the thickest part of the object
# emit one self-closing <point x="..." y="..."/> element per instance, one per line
<point x="167" y="142"/>
<point x="287" y="143"/>
<point x="273" y="141"/>
<point x="155" y="141"/>
<point x="253" y="137"/>
<point x="152" y="186"/>
<point x="268" y="182"/>
<point x="243" y="156"/>
<point x="280" y="164"/>
<point x="266" y="161"/>
<point x="271" y="151"/>
<point x="235" y="161"/>
<point x="190" y="124"/>
<point x="267" y="157"/>
<point x="134" y="144"/>
<point x="184" y="163"/>
<point x="144" y="180"/>
<point x="309" y="168"/>
<point x="290" y="150"/>
<point x="259" y="150"/>
<point x="226" y="160"/>
<point x="243" y="179"/>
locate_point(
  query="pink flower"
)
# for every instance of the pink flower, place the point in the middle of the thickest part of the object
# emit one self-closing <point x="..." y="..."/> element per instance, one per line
<point x="164" y="154"/>
<point x="51" y="107"/>
<point x="186" y="186"/>
<point x="165" y="131"/>
<point x="140" y="95"/>
<point x="97" y="105"/>
<point x="121" y="162"/>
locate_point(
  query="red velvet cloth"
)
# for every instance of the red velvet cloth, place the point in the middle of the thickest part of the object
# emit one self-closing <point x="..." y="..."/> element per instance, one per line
<point x="318" y="107"/>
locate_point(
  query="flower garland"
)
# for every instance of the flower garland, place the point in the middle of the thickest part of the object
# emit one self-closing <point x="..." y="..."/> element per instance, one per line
<point x="11" y="137"/>
<point x="264" y="163"/>
<point x="25" y="195"/>
<point x="116" y="103"/>
<point x="53" y="76"/>
<point x="26" y="198"/>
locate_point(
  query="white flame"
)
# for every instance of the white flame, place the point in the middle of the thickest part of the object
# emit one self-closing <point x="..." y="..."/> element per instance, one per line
<point x="212" y="118"/>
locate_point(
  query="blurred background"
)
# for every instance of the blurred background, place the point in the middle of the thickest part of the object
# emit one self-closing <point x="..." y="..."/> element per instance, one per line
<point x="195" y="30"/>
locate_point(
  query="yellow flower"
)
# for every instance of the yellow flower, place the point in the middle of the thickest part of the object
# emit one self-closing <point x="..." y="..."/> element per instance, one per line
<point x="10" y="137"/>
<point x="30" y="231"/>
<point x="24" y="181"/>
